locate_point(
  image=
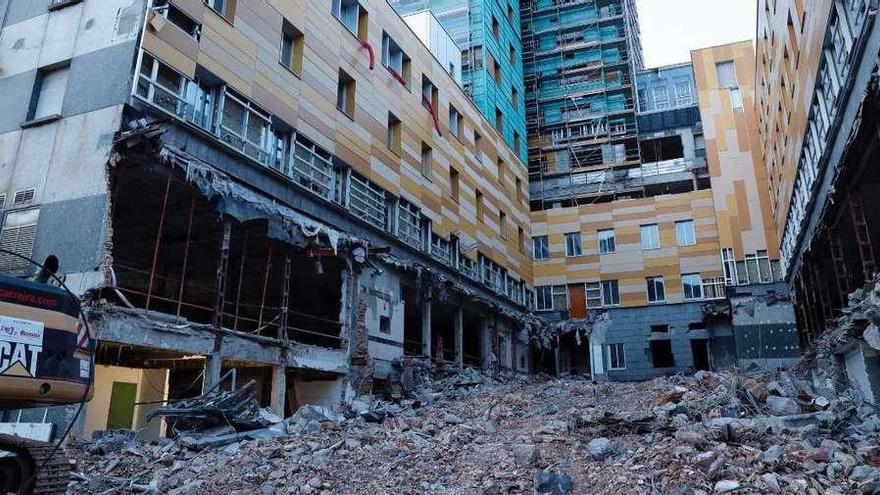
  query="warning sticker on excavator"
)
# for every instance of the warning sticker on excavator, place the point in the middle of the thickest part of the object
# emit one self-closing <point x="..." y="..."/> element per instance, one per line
<point x="21" y="342"/>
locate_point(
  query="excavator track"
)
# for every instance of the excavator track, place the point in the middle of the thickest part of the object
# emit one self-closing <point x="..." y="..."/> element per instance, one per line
<point x="31" y="456"/>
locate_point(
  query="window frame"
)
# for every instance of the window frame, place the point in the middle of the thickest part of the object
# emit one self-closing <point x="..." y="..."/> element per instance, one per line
<point x="297" y="44"/>
<point x="542" y="242"/>
<point x="687" y="280"/>
<point x="610" y="293"/>
<point x="655" y="283"/>
<point x="689" y="234"/>
<point x="612" y="240"/>
<point x="653" y="231"/>
<point x="616" y="359"/>
<point x="573" y="244"/>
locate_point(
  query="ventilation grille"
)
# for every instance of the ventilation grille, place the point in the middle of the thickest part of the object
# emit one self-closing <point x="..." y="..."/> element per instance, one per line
<point x="2" y="200"/>
<point x="24" y="197"/>
<point x="19" y="240"/>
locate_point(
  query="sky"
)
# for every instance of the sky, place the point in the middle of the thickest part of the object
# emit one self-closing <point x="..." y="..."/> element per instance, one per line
<point x="672" y="28"/>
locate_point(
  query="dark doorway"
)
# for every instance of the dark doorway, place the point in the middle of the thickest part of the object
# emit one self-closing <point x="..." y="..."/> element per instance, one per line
<point x="661" y="354"/>
<point x="700" y="351"/>
<point x="412" y="321"/>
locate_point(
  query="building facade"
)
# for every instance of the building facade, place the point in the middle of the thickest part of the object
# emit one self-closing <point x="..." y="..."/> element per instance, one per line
<point x="816" y="102"/>
<point x="643" y="258"/>
<point x="488" y="32"/>
<point x="258" y="185"/>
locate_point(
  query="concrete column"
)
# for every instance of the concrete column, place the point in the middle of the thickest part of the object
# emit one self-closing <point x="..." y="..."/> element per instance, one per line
<point x="213" y="366"/>
<point x="426" y="327"/>
<point x="458" y="323"/>
<point x="486" y="347"/>
<point x="279" y="390"/>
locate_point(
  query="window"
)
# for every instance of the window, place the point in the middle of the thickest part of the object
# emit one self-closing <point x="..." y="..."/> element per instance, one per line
<point x="594" y="295"/>
<point x="17" y="235"/>
<point x="502" y="224"/>
<point x="685" y="234"/>
<point x="479" y="205"/>
<point x="392" y="140"/>
<point x="682" y="93"/>
<point x="345" y="94"/>
<point x="510" y="13"/>
<point x="350" y="14"/>
<point x="514" y="98"/>
<point x="456" y="121"/>
<point x="560" y="298"/>
<point x="427" y="160"/>
<point x="516" y="145"/>
<point x="246" y="127"/>
<point x="454" y="184"/>
<point x="656" y="289"/>
<point x="729" y="263"/>
<point x="573" y="244"/>
<point x="393" y="58"/>
<point x="519" y="190"/>
<point x="650" y="236"/>
<point x="758" y="268"/>
<point x="496" y="27"/>
<point x="521" y="240"/>
<point x="606" y="241"/>
<point x="736" y="100"/>
<point x="385" y="325"/>
<point x="48" y="96"/>
<point x="312" y="167"/>
<point x="661" y="97"/>
<point x="726" y="75"/>
<point x="610" y="293"/>
<point x="499" y="120"/>
<point x="430" y="95"/>
<point x="177" y="17"/>
<point x="541" y="249"/>
<point x="478" y="146"/>
<point x="225" y="8"/>
<point x="500" y="170"/>
<point x="494" y="68"/>
<point x="692" y="284"/>
<point x="616" y="356"/>
<point x="544" y="297"/>
<point x="292" y="47"/>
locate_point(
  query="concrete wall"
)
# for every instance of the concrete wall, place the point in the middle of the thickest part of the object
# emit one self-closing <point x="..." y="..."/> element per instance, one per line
<point x="64" y="159"/>
<point x="326" y="393"/>
<point x="383" y="296"/>
<point x="863" y="370"/>
<point x="632" y="327"/>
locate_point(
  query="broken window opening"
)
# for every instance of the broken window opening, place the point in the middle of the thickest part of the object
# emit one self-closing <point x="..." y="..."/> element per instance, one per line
<point x="169" y="262"/>
<point x="661" y="354"/>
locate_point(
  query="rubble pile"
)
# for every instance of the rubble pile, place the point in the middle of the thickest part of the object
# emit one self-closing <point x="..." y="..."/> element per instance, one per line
<point x="468" y="433"/>
<point x="858" y="323"/>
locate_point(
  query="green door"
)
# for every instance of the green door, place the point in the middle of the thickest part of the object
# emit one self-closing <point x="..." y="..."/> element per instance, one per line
<point x="121" y="412"/>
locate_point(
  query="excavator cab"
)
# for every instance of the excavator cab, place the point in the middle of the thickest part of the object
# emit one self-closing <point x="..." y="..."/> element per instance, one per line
<point x="45" y="360"/>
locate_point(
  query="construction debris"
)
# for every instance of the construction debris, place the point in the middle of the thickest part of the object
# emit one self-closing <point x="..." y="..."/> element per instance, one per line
<point x="217" y="408"/>
<point x="701" y="434"/>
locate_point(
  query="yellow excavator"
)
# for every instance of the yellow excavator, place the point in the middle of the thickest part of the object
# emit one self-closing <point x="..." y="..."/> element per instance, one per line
<point x="46" y="359"/>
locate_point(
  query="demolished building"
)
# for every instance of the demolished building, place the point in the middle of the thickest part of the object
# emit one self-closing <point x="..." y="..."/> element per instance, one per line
<point x="225" y="199"/>
<point x="817" y="104"/>
<point x="300" y="195"/>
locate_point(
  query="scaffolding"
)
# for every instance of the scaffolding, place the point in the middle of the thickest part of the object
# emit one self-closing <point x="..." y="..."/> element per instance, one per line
<point x="580" y="58"/>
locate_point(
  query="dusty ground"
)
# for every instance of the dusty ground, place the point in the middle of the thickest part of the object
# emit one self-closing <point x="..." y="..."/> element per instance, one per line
<point x="662" y="436"/>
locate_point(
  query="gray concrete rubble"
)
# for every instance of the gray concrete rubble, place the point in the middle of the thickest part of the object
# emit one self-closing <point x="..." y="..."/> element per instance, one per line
<point x="466" y="432"/>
